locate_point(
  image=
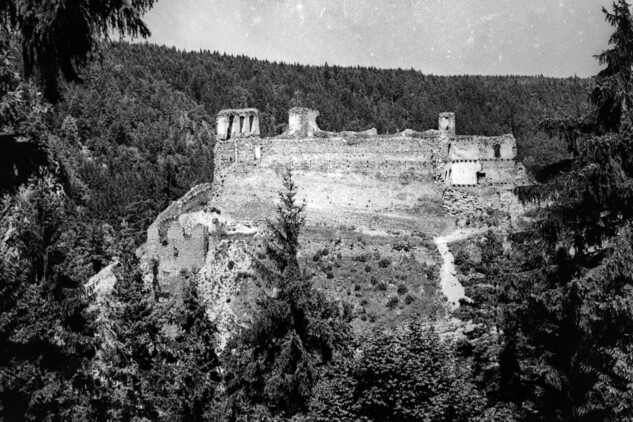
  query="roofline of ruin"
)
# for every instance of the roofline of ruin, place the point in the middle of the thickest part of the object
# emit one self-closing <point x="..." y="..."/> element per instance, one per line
<point x="229" y="111"/>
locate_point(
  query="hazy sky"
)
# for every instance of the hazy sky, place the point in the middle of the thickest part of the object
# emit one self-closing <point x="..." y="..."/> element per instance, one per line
<point x="550" y="37"/>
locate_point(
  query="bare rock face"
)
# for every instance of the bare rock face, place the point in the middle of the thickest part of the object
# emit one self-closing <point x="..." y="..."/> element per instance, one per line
<point x="102" y="283"/>
<point x="192" y="236"/>
<point x="228" y="284"/>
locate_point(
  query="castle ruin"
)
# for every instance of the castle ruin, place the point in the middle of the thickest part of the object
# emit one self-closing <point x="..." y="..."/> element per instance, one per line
<point x="463" y="160"/>
<point x="302" y="122"/>
<point x="232" y="123"/>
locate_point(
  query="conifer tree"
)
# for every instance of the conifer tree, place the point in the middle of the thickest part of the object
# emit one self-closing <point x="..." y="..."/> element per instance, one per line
<point x="296" y="331"/>
<point x="569" y="323"/>
<point x="58" y="37"/>
<point x="46" y="329"/>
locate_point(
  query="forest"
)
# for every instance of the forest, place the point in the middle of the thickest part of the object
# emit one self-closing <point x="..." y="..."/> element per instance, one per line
<point x="98" y="137"/>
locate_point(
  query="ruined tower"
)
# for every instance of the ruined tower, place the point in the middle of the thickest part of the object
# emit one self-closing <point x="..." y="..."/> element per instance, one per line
<point x="234" y="123"/>
<point x="446" y="123"/>
<point x="302" y="121"/>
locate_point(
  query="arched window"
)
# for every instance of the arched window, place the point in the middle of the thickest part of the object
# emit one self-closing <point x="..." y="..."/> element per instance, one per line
<point x="228" y="129"/>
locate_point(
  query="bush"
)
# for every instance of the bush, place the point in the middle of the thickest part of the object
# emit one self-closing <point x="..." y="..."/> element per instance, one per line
<point x="402" y="289"/>
<point x="321" y="253"/>
<point x="356" y="287"/>
<point x="393" y="302"/>
<point x="409" y="299"/>
<point x="384" y="263"/>
<point x="461" y="258"/>
<point x="364" y="257"/>
<point x="373" y="280"/>
<point x="367" y="268"/>
<point x="398" y="376"/>
<point x="382" y="286"/>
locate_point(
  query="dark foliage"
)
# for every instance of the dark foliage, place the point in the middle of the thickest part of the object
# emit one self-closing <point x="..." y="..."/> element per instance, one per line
<point x="407" y="375"/>
<point x="46" y="331"/>
<point x="159" y="360"/>
<point x="57" y="37"/>
<point x="569" y="319"/>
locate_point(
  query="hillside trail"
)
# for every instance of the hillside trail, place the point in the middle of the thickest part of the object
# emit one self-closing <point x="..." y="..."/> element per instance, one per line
<point x="450" y="285"/>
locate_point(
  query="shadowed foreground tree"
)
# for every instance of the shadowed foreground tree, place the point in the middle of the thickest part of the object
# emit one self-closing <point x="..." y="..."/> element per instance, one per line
<point x="296" y="331"/>
<point x="570" y="321"/>
<point x="47" y="336"/>
<point x="158" y="362"/>
<point x="57" y="37"/>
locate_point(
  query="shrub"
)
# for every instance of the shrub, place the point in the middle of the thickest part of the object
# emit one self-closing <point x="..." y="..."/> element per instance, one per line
<point x="367" y="268"/>
<point x="382" y="286"/>
<point x="402" y="289"/>
<point x="409" y="299"/>
<point x="373" y="280"/>
<point x="384" y="263"/>
<point x="461" y="258"/>
<point x="364" y="302"/>
<point x="330" y="275"/>
<point x="393" y="302"/>
<point x="356" y="287"/>
<point x="364" y="257"/>
<point x="321" y="253"/>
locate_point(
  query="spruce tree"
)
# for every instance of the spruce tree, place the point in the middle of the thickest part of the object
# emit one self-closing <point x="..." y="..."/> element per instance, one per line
<point x="295" y="332"/>
<point x="569" y="319"/>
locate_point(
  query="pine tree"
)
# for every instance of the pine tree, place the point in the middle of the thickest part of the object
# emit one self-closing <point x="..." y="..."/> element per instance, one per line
<point x="158" y="361"/>
<point x="57" y="38"/>
<point x="47" y="340"/>
<point x="296" y="331"/>
<point x="569" y="323"/>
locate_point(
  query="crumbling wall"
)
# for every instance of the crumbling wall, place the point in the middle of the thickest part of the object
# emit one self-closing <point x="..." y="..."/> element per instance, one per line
<point x="234" y="123"/>
<point x="464" y="173"/>
<point x="480" y="160"/>
<point x="446" y="123"/>
<point x="482" y="148"/>
<point x="496" y="172"/>
<point x="302" y="122"/>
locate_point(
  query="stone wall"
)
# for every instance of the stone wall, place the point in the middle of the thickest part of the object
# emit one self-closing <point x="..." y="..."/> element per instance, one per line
<point x="234" y="123"/>
<point x="302" y="122"/>
<point x="464" y="173"/>
<point x="482" y="148"/>
<point x="480" y="160"/>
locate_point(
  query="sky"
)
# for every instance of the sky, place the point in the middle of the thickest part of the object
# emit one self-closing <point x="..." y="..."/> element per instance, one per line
<point x="442" y="37"/>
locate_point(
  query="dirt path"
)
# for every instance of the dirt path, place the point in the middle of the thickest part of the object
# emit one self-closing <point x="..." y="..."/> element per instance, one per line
<point x="451" y="287"/>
